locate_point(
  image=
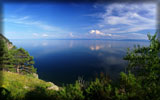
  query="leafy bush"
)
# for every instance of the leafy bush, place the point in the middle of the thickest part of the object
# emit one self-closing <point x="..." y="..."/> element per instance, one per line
<point x="130" y="88"/>
<point x="70" y="92"/>
<point x="144" y="62"/>
<point x="99" y="91"/>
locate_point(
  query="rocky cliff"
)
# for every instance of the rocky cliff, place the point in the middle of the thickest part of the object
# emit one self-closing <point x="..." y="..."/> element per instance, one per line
<point x="9" y="44"/>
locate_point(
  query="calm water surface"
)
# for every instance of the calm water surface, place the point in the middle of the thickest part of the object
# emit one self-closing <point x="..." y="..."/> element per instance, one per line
<point x="63" y="61"/>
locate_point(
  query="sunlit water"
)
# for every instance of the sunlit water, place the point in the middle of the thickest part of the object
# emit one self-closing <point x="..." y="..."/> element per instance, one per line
<point x="63" y="61"/>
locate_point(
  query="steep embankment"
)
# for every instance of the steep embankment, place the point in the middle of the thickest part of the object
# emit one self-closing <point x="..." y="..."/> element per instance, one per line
<point x="20" y="84"/>
<point x="9" y="44"/>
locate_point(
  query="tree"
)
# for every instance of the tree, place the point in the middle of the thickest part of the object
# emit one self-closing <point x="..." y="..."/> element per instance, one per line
<point x="14" y="59"/>
<point x="5" y="56"/>
<point x="144" y="62"/>
<point x="22" y="61"/>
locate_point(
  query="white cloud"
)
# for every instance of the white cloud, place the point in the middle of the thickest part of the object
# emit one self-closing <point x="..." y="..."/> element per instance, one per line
<point x="132" y="36"/>
<point x="126" y="18"/>
<point x="45" y="35"/>
<point x="97" y="32"/>
<point x="26" y="20"/>
<point x="35" y="34"/>
<point x="40" y="35"/>
<point x="92" y="32"/>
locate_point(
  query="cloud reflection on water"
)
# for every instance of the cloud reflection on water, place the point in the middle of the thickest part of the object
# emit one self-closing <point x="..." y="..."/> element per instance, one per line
<point x="65" y="60"/>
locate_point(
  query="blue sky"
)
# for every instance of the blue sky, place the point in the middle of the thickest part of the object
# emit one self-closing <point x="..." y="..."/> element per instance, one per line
<point x="78" y="21"/>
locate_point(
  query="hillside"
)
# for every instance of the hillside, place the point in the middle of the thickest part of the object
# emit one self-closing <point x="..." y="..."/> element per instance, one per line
<point x="18" y="85"/>
<point x="18" y="75"/>
<point x="2" y="36"/>
<point x="9" y="44"/>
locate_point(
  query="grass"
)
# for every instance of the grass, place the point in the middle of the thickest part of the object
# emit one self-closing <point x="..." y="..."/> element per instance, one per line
<point x="19" y="84"/>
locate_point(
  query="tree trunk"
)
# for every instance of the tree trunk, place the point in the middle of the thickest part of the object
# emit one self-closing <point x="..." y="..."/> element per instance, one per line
<point x="17" y="69"/>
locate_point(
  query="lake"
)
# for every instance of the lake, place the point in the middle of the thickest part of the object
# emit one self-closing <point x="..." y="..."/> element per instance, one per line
<point x="63" y="61"/>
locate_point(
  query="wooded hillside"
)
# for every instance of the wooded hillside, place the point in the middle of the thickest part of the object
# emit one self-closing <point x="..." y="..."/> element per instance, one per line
<point x="15" y="59"/>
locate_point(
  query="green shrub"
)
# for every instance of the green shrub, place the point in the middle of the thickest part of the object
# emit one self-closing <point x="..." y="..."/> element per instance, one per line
<point x="97" y="90"/>
<point x="130" y="88"/>
<point x="70" y="92"/>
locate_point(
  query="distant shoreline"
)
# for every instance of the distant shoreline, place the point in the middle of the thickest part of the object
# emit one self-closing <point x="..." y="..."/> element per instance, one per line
<point x="88" y="39"/>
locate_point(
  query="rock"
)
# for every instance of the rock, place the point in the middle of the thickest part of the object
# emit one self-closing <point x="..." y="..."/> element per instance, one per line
<point x="35" y="75"/>
<point x="26" y="87"/>
<point x="53" y="87"/>
<point x="9" y="45"/>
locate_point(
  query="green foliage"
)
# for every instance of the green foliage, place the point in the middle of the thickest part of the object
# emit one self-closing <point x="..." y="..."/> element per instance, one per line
<point x="5" y="61"/>
<point x="22" y="61"/>
<point x="39" y="93"/>
<point x="130" y="88"/>
<point x="70" y="92"/>
<point x="17" y="86"/>
<point x="144" y="62"/>
<point x="15" y="59"/>
<point x="99" y="91"/>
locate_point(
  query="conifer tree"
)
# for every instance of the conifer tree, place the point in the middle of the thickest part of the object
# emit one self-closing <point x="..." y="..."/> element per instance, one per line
<point x="22" y="61"/>
<point x="5" y="57"/>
